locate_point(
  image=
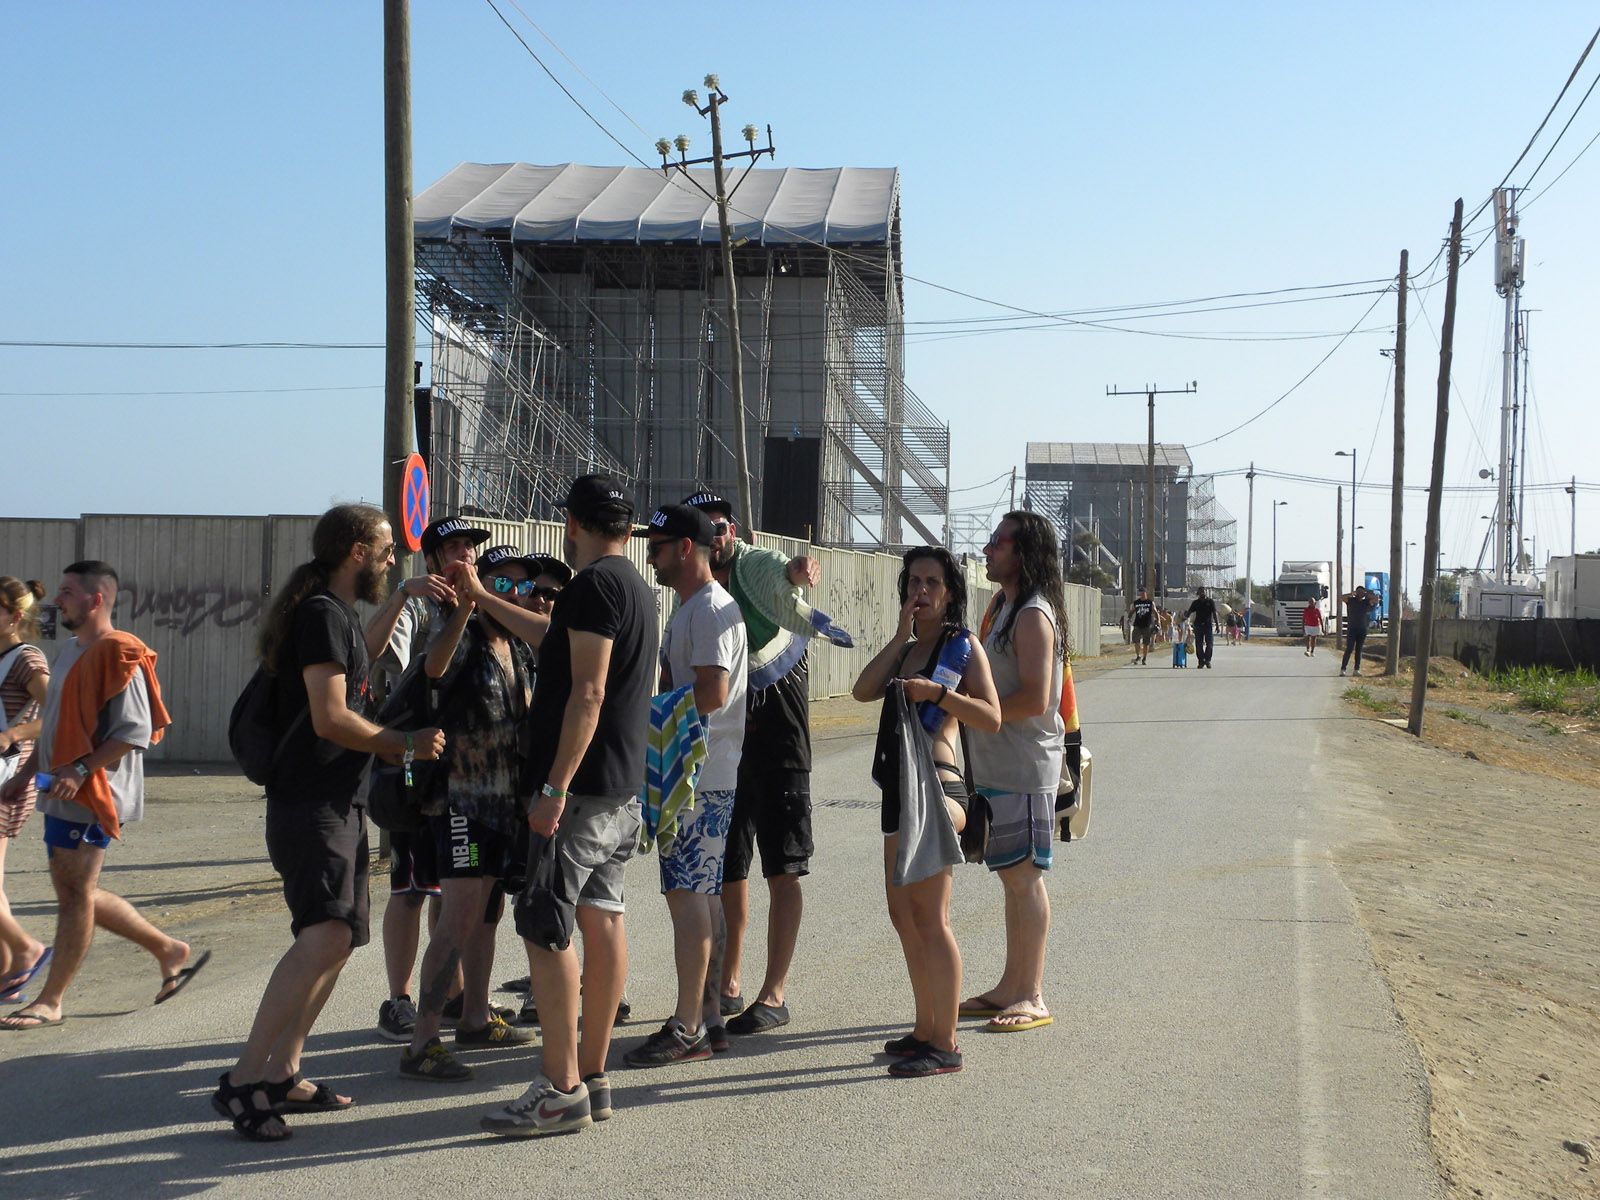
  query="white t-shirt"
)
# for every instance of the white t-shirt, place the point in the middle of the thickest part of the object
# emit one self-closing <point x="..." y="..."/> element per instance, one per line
<point x="707" y="631"/>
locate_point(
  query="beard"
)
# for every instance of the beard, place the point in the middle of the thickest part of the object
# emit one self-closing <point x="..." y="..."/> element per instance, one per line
<point x="722" y="557"/>
<point x="71" y="624"/>
<point x="372" y="585"/>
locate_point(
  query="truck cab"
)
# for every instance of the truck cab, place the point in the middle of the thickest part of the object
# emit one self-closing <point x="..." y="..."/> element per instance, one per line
<point x="1298" y="584"/>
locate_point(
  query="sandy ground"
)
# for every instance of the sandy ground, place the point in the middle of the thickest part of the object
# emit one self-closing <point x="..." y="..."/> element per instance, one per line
<point x="1473" y="861"/>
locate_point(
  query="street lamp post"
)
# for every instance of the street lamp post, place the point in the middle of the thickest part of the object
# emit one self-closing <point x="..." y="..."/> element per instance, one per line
<point x="1351" y="455"/>
<point x="1276" y="505"/>
<point x="1572" y="491"/>
<point x="1405" y="579"/>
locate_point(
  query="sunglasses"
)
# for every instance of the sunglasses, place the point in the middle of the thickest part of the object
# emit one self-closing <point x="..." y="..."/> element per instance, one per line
<point x="1000" y="539"/>
<point x="545" y="593"/>
<point x="505" y="585"/>
<point x="720" y="528"/>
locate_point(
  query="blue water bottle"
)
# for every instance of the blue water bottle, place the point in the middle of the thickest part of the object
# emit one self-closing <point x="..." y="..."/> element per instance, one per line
<point x="951" y="667"/>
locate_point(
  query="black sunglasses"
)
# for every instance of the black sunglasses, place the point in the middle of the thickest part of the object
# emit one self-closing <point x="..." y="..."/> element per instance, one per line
<point x="545" y="593"/>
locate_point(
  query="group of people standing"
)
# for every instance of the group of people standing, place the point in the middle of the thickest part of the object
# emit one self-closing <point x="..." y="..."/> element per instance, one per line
<point x="1198" y="623"/>
<point x="526" y="698"/>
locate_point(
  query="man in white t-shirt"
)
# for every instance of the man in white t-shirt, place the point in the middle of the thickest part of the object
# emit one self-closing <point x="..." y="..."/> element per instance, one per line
<point x="704" y="647"/>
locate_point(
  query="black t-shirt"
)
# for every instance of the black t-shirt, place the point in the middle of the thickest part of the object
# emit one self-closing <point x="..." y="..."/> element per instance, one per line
<point x="610" y="599"/>
<point x="1144" y="611"/>
<point x="1204" y="611"/>
<point x="324" y="629"/>
<point x="1360" y="615"/>
<point x="777" y="723"/>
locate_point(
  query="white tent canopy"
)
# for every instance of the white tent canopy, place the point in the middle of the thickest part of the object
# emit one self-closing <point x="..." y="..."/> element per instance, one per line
<point x="571" y="203"/>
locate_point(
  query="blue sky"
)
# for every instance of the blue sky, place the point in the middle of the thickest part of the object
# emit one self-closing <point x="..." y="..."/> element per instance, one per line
<point x="196" y="172"/>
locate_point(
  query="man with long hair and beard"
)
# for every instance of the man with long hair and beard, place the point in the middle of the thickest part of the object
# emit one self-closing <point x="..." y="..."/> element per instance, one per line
<point x="313" y="644"/>
<point x="1018" y="768"/>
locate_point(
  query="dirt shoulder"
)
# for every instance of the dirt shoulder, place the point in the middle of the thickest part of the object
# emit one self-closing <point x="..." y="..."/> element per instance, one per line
<point x="1472" y="861"/>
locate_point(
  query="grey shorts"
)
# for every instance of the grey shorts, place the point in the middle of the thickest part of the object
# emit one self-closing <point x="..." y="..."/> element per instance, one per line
<point x="1021" y="829"/>
<point x="592" y="846"/>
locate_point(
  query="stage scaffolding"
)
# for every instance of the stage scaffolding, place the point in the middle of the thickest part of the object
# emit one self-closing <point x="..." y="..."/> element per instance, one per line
<point x="553" y="357"/>
<point x="1213" y="537"/>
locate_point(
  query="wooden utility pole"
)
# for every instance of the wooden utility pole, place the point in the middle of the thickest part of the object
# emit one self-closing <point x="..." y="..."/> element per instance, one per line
<point x="1250" y="545"/>
<point x="1338" y="568"/>
<point x="1391" y="662"/>
<point x="715" y="99"/>
<point x="1150" y="392"/>
<point x="400" y="339"/>
<point x="1430" y="541"/>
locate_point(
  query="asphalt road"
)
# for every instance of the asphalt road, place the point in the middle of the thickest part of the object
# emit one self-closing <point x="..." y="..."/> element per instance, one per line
<point x="1221" y="1030"/>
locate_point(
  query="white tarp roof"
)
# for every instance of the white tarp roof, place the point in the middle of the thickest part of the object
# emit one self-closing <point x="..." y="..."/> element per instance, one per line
<point x="569" y="202"/>
<point x="1106" y="454"/>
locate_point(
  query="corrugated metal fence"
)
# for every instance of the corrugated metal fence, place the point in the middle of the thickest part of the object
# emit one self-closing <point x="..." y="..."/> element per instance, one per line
<point x="194" y="588"/>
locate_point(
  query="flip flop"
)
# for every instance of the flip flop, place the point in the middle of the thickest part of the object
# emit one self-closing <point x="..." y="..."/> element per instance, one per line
<point x="181" y="980"/>
<point x="35" y="1021"/>
<point x="979" y="1006"/>
<point x="12" y="993"/>
<point x="758" y="1018"/>
<point x="1035" y="1020"/>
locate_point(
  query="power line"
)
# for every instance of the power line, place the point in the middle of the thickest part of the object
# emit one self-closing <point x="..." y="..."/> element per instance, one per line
<point x="361" y="387"/>
<point x="43" y="344"/>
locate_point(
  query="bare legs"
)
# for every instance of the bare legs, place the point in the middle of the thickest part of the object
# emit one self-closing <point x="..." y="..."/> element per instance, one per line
<point x="697" y="928"/>
<point x="81" y="905"/>
<point x="920" y="913"/>
<point x="555" y="974"/>
<point x="1027" y="929"/>
<point x="18" y="951"/>
<point x="456" y="938"/>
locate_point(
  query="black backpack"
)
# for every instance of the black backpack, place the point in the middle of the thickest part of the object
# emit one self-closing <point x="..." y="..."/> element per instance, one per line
<point x="391" y="802"/>
<point x="252" y="728"/>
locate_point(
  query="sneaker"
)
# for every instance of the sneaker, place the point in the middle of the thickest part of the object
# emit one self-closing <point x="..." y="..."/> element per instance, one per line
<point x="451" y="1012"/>
<point x="529" y="1014"/>
<point x="717" y="1038"/>
<point x="731" y="1006"/>
<point x="671" y="1043"/>
<point x="927" y="1061"/>
<point x="1357" y="671"/>
<point x="541" y="1110"/>
<point x="495" y="1033"/>
<point x="905" y="1046"/>
<point x="599" y="1095"/>
<point x="433" y="1064"/>
<point x="525" y="984"/>
<point x="397" y="1019"/>
<point x="1341" y="670"/>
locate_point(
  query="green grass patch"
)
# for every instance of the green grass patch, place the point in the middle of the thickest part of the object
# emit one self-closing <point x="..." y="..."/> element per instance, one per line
<point x="1545" y="689"/>
<point x="1363" y="697"/>
<point x="1466" y="718"/>
<point x="1550" y="727"/>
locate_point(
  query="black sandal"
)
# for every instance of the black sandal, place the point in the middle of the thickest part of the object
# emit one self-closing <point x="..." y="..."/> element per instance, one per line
<point x="248" y="1119"/>
<point x="324" y="1099"/>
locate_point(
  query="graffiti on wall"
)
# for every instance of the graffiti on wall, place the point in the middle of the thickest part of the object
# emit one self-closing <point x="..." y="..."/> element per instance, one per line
<point x="185" y="608"/>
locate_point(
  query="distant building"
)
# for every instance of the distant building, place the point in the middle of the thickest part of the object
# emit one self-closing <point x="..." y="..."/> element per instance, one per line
<point x="1093" y="492"/>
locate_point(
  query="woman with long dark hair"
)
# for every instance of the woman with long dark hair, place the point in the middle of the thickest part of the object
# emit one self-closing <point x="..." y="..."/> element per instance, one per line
<point x="1017" y="768"/>
<point x="945" y="673"/>
<point x="314" y="646"/>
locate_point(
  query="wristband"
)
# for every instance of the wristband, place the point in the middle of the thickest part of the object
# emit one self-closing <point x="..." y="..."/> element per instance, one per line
<point x="81" y="769"/>
<point x="409" y="757"/>
<point x="552" y="793"/>
<point x="938" y="701"/>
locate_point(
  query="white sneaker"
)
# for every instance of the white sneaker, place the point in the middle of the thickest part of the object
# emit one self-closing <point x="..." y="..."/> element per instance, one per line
<point x="542" y="1109"/>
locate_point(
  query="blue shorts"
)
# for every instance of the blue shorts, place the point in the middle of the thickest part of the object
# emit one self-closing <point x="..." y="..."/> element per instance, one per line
<point x="1022" y="826"/>
<point x="61" y="834"/>
<point x="695" y="860"/>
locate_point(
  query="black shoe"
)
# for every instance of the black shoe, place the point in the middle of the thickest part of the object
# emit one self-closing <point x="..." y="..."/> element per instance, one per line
<point x="759" y="1017"/>
<point x="905" y="1046"/>
<point x="927" y="1061"/>
<point x="731" y="1006"/>
<point x="670" y="1044"/>
<point x="599" y="1096"/>
<point x="397" y="1019"/>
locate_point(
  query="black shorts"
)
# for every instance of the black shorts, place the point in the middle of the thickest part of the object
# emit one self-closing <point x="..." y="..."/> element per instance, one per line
<point x="466" y="848"/>
<point x="413" y="870"/>
<point x="954" y="787"/>
<point x="1144" y="633"/>
<point x="320" y="850"/>
<point x="771" y="810"/>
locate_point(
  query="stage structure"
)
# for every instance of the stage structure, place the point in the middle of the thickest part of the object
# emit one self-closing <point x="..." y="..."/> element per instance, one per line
<point x="578" y="320"/>
<point x="1213" y="539"/>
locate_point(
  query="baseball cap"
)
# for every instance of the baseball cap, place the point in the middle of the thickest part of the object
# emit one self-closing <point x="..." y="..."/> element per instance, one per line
<point x="546" y="564"/>
<point x="679" y="521"/>
<point x="495" y="556"/>
<point x="597" y="496"/>
<point x="445" y="528"/>
<point x="708" y="501"/>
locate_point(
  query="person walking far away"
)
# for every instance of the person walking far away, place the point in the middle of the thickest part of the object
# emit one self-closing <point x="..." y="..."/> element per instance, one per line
<point x="1018" y="768"/>
<point x="102" y="710"/>
<point x="24" y="682"/>
<point x="591" y="707"/>
<point x="1143" y="611"/>
<point x="772" y="808"/>
<point x="1204" y="614"/>
<point x="704" y="648"/>
<point x="945" y="673"/>
<point x="1358" y="606"/>
<point x="313" y="645"/>
<point x="1312" y="620"/>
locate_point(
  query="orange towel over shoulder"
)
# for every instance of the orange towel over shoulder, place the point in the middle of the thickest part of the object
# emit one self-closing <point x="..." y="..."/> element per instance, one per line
<point x="103" y="672"/>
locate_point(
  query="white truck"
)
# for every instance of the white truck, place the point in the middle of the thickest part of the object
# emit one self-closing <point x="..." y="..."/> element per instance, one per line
<point x="1299" y="583"/>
